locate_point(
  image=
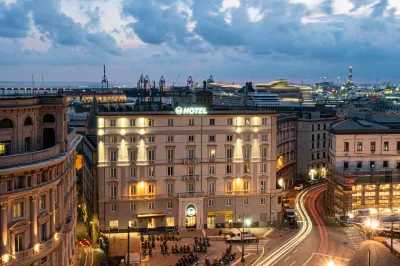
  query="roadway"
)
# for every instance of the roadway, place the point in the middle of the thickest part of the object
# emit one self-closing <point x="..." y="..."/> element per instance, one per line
<point x="318" y="241"/>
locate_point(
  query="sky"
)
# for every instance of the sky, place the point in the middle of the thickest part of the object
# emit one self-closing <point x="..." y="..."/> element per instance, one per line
<point x="234" y="40"/>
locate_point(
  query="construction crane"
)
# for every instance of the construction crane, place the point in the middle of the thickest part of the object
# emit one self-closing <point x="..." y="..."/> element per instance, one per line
<point x="176" y="81"/>
<point x="104" y="81"/>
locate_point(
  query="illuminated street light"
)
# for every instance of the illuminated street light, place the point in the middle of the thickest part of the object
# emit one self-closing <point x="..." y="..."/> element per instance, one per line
<point x="312" y="172"/>
<point x="331" y="263"/>
<point x="247" y="222"/>
<point x="280" y="182"/>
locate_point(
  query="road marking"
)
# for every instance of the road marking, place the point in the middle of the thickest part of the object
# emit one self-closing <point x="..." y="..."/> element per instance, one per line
<point x="239" y="260"/>
<point x="315" y="253"/>
<point x="287" y="258"/>
<point x="239" y="248"/>
<point x="295" y="251"/>
<point x="267" y="233"/>
<point x="292" y="263"/>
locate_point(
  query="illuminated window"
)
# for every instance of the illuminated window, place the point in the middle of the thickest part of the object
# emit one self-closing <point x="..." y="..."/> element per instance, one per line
<point x="170" y="221"/>
<point x="151" y="171"/>
<point x="114" y="225"/>
<point x="132" y="122"/>
<point x="386" y="146"/>
<point x="247" y="121"/>
<point x="113" y="139"/>
<point x="247" y="168"/>
<point x="5" y="147"/>
<point x="359" y="146"/>
<point x="18" y="210"/>
<point x="346" y="146"/>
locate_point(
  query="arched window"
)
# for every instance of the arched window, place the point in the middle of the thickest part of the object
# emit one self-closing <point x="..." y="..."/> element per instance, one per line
<point x="6" y="123"/>
<point x="28" y="121"/>
<point x="48" y="118"/>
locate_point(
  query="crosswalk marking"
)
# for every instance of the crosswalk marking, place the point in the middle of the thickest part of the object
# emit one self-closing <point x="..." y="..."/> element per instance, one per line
<point x="252" y="247"/>
<point x="356" y="238"/>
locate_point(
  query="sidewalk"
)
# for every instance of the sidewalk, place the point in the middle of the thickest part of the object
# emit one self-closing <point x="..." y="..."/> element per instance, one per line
<point x="380" y="255"/>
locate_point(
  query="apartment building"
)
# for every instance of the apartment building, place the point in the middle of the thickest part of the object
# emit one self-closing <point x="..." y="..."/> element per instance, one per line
<point x="312" y="144"/>
<point x="186" y="168"/>
<point x="363" y="174"/>
<point x="37" y="182"/>
<point x="286" y="153"/>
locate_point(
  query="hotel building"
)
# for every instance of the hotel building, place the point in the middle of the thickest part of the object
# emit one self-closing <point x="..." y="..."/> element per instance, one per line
<point x="363" y="174"/>
<point x="186" y="168"/>
<point x="37" y="182"/>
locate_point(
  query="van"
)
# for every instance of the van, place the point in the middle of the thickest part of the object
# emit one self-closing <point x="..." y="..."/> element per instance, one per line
<point x="290" y="213"/>
<point x="232" y="237"/>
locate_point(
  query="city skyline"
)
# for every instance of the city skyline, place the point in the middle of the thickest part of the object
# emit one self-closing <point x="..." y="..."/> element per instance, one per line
<point x="234" y="40"/>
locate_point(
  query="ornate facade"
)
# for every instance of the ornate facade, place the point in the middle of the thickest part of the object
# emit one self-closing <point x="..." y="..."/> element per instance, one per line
<point x="37" y="182"/>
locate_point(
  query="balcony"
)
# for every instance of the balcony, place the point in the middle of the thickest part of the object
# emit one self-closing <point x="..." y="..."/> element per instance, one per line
<point x="29" y="157"/>
<point x="190" y="178"/>
<point x="190" y="160"/>
<point x="190" y="195"/>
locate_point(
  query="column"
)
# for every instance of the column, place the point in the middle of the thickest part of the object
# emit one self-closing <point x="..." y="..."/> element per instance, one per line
<point x="12" y="243"/>
<point x="53" y="259"/>
<point x="34" y="223"/>
<point x="53" y="211"/>
<point x="61" y="202"/>
<point x="4" y="230"/>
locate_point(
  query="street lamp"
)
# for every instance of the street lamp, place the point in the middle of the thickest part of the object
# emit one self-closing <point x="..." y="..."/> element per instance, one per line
<point x="312" y="172"/>
<point x="372" y="224"/>
<point x="331" y="263"/>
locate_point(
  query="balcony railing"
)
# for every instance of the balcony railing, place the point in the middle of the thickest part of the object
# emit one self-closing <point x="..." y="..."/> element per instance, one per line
<point x="243" y="193"/>
<point x="190" y="194"/>
<point x="22" y="256"/>
<point x="191" y="160"/>
<point x="190" y="178"/>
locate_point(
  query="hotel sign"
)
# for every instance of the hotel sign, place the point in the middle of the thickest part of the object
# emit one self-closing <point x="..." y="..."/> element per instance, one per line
<point x="190" y="110"/>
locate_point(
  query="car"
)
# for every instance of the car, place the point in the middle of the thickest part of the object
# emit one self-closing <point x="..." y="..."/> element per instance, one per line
<point x="290" y="214"/>
<point x="232" y="237"/>
<point x="298" y="187"/>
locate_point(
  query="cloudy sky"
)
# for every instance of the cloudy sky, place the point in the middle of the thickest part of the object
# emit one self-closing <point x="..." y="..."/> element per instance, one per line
<point x="234" y="40"/>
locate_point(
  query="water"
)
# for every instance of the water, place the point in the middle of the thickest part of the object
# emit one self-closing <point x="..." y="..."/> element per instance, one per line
<point x="58" y="84"/>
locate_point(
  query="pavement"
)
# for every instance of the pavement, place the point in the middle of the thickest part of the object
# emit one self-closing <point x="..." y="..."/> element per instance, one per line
<point x="380" y="255"/>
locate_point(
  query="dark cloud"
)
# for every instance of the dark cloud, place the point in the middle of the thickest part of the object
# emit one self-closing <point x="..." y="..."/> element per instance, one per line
<point x="14" y="22"/>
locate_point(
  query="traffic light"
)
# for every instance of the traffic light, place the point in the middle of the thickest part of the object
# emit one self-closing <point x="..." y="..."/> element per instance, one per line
<point x="286" y="220"/>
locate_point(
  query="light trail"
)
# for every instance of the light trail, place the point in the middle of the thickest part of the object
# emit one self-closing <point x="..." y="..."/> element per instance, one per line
<point x="300" y="236"/>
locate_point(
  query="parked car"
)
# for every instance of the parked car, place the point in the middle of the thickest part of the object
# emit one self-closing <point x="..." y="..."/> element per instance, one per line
<point x="232" y="237"/>
<point x="298" y="187"/>
<point x="290" y="213"/>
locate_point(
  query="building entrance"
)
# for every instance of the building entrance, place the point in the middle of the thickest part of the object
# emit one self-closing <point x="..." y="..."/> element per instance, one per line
<point x="190" y="216"/>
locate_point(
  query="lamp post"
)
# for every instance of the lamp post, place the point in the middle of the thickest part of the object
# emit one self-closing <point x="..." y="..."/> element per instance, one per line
<point x="372" y="224"/>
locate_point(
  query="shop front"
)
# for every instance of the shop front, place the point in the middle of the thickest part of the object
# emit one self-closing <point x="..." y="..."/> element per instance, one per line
<point x="219" y="219"/>
<point x="191" y="217"/>
<point x="151" y="222"/>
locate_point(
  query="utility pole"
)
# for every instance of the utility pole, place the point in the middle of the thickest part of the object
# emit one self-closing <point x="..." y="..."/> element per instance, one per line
<point x="391" y="215"/>
<point x="369" y="258"/>
<point x="242" y="260"/>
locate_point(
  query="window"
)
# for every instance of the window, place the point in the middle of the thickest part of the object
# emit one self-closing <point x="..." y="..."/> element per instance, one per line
<point x="113" y="139"/>
<point x="169" y="204"/>
<point x="170" y="122"/>
<point x="133" y="139"/>
<point x="151" y="171"/>
<point x="113" y="192"/>
<point x="18" y="210"/>
<point x="229" y="153"/>
<point x="151" y="139"/>
<point x="262" y="201"/>
<point x="264" y="153"/>
<point x="312" y="145"/>
<point x="113" y="156"/>
<point x="19" y="242"/>
<point x="5" y="147"/>
<point x="229" y="137"/>
<point x="246" y="186"/>
<point x="170" y="171"/>
<point x="191" y="153"/>
<point x="359" y="146"/>
<point x="191" y="138"/>
<point x="324" y="126"/>
<point x="228" y="202"/>
<point x="212" y="122"/>
<point x="246" y="137"/>
<point x="170" y="138"/>
<point x="264" y="137"/>
<point x="229" y="169"/>
<point x="317" y="155"/>
<point x="211" y="153"/>
<point x="319" y="127"/>
<point x="345" y="165"/>
<point x="323" y="144"/>
<point x="312" y="127"/>
<point x="323" y="155"/>
<point x="211" y="138"/>
<point x="245" y="201"/>
<point x="170" y="189"/>
<point x="211" y="187"/>
<point x="312" y="137"/>
<point x="191" y="121"/>
<point x="372" y="164"/>
<point x="43" y="233"/>
<point x="132" y="155"/>
<point x="398" y="145"/>
<point x="113" y="123"/>
<point x="229" y="187"/>
<point x="27" y="144"/>
<point x="346" y="146"/>
<point x="263" y="168"/>
<point x="398" y="165"/>
<point x="312" y="156"/>
<point x="246" y="168"/>
<point x="359" y="164"/>
<point x="324" y="136"/>
<point x="264" y="120"/>
<point x="132" y="207"/>
<point x="247" y="121"/>
<point x="151" y="189"/>
<point x="19" y="183"/>
<point x="263" y="186"/>
<point x="113" y="172"/>
<point x="151" y="122"/>
<point x="42" y="202"/>
<point x="132" y="190"/>
<point x="132" y="122"/>
<point x="151" y="155"/>
<point x="151" y="205"/>
<point x="211" y="169"/>
<point x="372" y="145"/>
<point x="133" y="172"/>
<point x="190" y="187"/>
<point x="246" y="153"/>
<point x="385" y="164"/>
<point x="210" y="203"/>
<point x="230" y="121"/>
<point x="386" y="146"/>
<point x="170" y="156"/>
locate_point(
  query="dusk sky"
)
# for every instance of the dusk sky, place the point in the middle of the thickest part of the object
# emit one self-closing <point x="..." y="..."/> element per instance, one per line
<point x="234" y="40"/>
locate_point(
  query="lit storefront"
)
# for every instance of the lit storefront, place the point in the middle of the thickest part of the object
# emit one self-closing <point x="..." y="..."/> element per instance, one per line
<point x="219" y="219"/>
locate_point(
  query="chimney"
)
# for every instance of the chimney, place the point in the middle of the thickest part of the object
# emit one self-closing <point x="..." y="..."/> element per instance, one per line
<point x="204" y="85"/>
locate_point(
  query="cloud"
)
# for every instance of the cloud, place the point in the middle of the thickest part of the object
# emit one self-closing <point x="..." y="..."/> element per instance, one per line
<point x="14" y="21"/>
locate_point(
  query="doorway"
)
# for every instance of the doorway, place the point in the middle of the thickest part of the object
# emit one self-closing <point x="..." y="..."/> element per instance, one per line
<point x="190" y="222"/>
<point x="49" y="138"/>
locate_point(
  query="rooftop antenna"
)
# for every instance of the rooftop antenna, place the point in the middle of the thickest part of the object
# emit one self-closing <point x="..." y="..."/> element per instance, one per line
<point x="161" y="85"/>
<point x="104" y="81"/>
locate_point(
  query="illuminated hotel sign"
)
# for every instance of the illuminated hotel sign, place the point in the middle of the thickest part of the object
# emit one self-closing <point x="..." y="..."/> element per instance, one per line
<point x="190" y="210"/>
<point x="190" y="110"/>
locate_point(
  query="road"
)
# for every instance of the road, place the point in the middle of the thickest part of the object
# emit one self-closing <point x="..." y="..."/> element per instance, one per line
<point x="318" y="242"/>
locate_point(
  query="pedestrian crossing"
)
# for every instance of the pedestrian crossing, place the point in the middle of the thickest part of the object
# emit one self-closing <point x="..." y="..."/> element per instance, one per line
<point x="253" y="247"/>
<point x="356" y="238"/>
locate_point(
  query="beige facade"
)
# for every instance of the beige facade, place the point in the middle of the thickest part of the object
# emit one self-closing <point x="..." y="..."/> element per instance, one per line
<point x="37" y="182"/>
<point x="160" y="170"/>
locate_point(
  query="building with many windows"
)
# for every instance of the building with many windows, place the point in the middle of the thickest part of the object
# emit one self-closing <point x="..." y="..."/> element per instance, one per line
<point x="37" y="182"/>
<point x="363" y="173"/>
<point x="188" y="168"/>
<point x="312" y="144"/>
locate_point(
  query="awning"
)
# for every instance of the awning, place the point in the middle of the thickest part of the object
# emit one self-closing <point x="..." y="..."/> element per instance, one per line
<point x="151" y="215"/>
